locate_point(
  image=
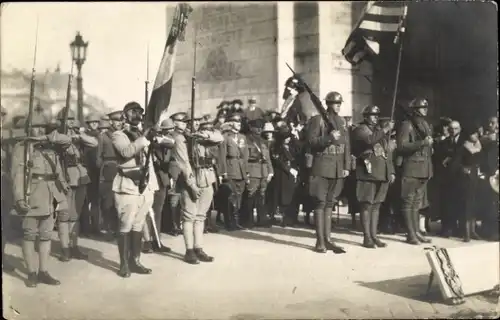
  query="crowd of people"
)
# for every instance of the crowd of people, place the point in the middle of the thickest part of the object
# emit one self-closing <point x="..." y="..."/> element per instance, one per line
<point x="246" y="168"/>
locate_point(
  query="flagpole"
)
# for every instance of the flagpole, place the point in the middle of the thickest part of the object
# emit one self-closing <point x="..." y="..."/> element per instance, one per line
<point x="398" y="38"/>
<point x="146" y="83"/>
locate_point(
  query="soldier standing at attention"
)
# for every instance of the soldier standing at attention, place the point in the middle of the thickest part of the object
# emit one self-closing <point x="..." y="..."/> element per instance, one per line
<point x="260" y="172"/>
<point x="414" y="145"/>
<point x="233" y="160"/>
<point x="131" y="147"/>
<point x="374" y="171"/>
<point x="195" y="188"/>
<point x="48" y="186"/>
<point x="93" y="187"/>
<point x="78" y="178"/>
<point x="108" y="166"/>
<point x="331" y="164"/>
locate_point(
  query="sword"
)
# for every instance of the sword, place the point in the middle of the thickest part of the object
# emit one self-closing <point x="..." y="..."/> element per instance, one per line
<point x="151" y="215"/>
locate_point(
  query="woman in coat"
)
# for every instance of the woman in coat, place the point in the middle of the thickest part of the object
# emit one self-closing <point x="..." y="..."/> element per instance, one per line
<point x="286" y="175"/>
<point x="465" y="165"/>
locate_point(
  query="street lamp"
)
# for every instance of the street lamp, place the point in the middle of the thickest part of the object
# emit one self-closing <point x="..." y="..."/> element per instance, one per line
<point x="79" y="54"/>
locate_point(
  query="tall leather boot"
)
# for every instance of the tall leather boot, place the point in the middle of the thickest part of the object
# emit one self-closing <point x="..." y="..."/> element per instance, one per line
<point x="473" y="233"/>
<point x="330" y="245"/>
<point x="411" y="237"/>
<point x="262" y="210"/>
<point x="467" y="231"/>
<point x="374" y="217"/>
<point x="250" y="203"/>
<point x="320" y="231"/>
<point x="237" y="219"/>
<point x="134" y="261"/>
<point x="124" y="250"/>
<point x="416" y="226"/>
<point x="365" y="222"/>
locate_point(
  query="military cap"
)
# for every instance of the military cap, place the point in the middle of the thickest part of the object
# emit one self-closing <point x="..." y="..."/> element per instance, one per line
<point x="206" y="126"/>
<point x="115" y="115"/>
<point x="180" y="116"/>
<point x="206" y="119"/>
<point x="225" y="127"/>
<point x="93" y="117"/>
<point x="234" y="118"/>
<point x="167" y="124"/>
<point x="237" y="101"/>
<point x="256" y="123"/>
<point x="268" y="127"/>
<point x="252" y="100"/>
<point x="131" y="106"/>
<point x="3" y="110"/>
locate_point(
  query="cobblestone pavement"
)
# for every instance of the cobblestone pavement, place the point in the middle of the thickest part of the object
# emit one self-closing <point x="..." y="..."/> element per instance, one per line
<point x="257" y="274"/>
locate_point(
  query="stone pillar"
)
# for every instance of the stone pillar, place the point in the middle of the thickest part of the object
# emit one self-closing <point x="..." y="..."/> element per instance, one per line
<point x="285" y="45"/>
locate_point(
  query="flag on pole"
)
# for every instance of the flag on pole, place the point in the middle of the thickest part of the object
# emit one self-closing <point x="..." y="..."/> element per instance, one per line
<point x="162" y="89"/>
<point x="380" y="22"/>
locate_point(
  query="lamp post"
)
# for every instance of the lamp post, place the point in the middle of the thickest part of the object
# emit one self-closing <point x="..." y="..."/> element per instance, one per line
<point x="79" y="54"/>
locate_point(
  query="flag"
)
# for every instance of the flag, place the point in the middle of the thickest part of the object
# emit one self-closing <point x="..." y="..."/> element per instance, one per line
<point x="162" y="89"/>
<point x="380" y="22"/>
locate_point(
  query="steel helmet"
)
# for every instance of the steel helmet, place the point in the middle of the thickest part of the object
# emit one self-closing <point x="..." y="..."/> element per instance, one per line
<point x="93" y="117"/>
<point x="167" y="124"/>
<point x="37" y="120"/>
<point x="334" y="96"/>
<point x="371" y="110"/>
<point x="71" y="114"/>
<point x="419" y="103"/>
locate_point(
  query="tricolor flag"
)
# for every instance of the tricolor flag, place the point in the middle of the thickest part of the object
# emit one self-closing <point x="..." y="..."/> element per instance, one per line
<point x="380" y="22"/>
<point x="162" y="89"/>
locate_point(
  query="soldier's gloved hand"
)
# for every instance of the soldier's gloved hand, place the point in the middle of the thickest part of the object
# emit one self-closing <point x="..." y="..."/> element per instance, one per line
<point x="345" y="173"/>
<point x="428" y="141"/>
<point x="22" y="207"/>
<point x="388" y="126"/>
<point x="392" y="178"/>
<point x="269" y="177"/>
<point x="335" y="134"/>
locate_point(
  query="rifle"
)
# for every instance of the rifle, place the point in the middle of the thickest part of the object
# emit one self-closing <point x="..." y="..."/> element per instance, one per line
<point x="316" y="102"/>
<point x="192" y="140"/>
<point x="64" y="122"/>
<point x="143" y="182"/>
<point x="29" y="122"/>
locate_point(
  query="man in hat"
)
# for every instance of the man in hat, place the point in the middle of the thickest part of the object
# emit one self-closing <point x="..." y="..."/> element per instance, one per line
<point x="253" y="112"/>
<point x="414" y="145"/>
<point x="92" y="121"/>
<point x="133" y="206"/>
<point x="260" y="172"/>
<point x="221" y="119"/>
<point x="162" y="153"/>
<point x="233" y="160"/>
<point x="47" y="187"/>
<point x="223" y="107"/>
<point x="78" y="179"/>
<point x="237" y="108"/>
<point x="330" y="167"/>
<point x="104" y="124"/>
<point x="106" y="159"/>
<point x="195" y="188"/>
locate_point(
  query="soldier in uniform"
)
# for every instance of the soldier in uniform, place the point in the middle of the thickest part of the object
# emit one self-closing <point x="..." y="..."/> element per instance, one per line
<point x="47" y="194"/>
<point x="374" y="171"/>
<point x="78" y="178"/>
<point x="104" y="124"/>
<point x="131" y="147"/>
<point x="331" y="163"/>
<point x="414" y="145"/>
<point x="92" y="121"/>
<point x="237" y="108"/>
<point x="260" y="172"/>
<point x="107" y="164"/>
<point x="233" y="160"/>
<point x="161" y="154"/>
<point x="253" y="112"/>
<point x="196" y="188"/>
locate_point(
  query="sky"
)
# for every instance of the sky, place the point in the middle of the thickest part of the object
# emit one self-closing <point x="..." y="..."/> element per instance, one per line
<point x="118" y="36"/>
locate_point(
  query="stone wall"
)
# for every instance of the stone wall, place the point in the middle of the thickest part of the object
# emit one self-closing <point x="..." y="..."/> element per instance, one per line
<point x="235" y="56"/>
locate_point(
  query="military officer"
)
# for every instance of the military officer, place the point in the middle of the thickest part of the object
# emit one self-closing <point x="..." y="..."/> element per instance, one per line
<point x="331" y="164"/>
<point x="195" y="188"/>
<point x="78" y="179"/>
<point x="133" y="206"/>
<point x="259" y="171"/>
<point x="233" y="160"/>
<point x="92" y="121"/>
<point x="104" y="124"/>
<point x="47" y="194"/>
<point x="374" y="171"/>
<point x="161" y="155"/>
<point x="106" y="159"/>
<point x="414" y="145"/>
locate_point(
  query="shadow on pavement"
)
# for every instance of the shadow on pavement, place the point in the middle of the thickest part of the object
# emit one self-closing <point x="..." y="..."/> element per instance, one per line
<point x="248" y="235"/>
<point x="19" y="267"/>
<point x="414" y="287"/>
<point x="95" y="257"/>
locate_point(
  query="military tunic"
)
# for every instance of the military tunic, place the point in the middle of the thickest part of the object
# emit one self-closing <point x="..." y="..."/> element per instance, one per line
<point x="48" y="187"/>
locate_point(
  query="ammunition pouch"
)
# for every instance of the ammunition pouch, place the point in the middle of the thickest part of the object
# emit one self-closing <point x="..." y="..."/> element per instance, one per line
<point x="259" y="160"/>
<point x="205" y="163"/>
<point x="71" y="160"/>
<point x="134" y="173"/>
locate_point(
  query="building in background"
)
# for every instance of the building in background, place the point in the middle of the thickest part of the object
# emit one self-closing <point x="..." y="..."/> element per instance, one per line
<point x="450" y="56"/>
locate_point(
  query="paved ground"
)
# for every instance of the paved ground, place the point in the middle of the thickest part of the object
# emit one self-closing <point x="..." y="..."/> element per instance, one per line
<point x="257" y="274"/>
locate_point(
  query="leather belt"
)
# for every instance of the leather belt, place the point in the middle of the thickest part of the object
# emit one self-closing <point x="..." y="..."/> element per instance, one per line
<point x="256" y="161"/>
<point x="44" y="177"/>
